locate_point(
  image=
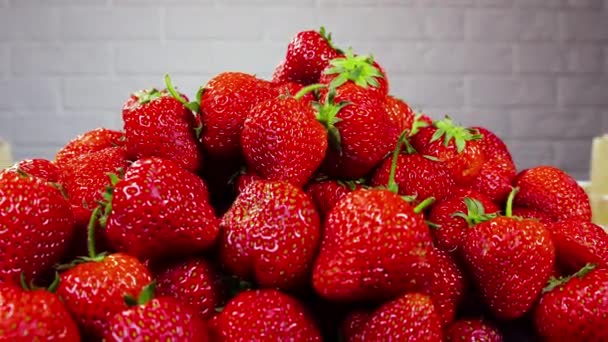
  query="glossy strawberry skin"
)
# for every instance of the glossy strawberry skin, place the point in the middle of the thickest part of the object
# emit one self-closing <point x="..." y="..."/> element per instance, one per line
<point x="396" y="239"/>
<point x="270" y="234"/>
<point x="94" y="291"/>
<point x="326" y="193"/>
<point x="411" y="317"/>
<point x="163" y="128"/>
<point x="511" y="261"/>
<point x="533" y="214"/>
<point x="472" y="331"/>
<point x="282" y="140"/>
<point x="399" y="112"/>
<point x="291" y="89"/>
<point x="353" y="324"/>
<point x="160" y="319"/>
<point x="578" y="242"/>
<point x="36" y="224"/>
<point x="226" y="102"/>
<point x="576" y="310"/>
<point x="551" y="190"/>
<point x="244" y="179"/>
<point x="447" y="285"/>
<point x="89" y="142"/>
<point x="160" y="210"/>
<point x="194" y="282"/>
<point x="34" y="315"/>
<point x="264" y="315"/>
<point x="41" y="168"/>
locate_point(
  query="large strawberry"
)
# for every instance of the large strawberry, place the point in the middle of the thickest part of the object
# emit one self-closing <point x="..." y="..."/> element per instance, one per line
<point x="159" y="209"/>
<point x="41" y="168"/>
<point x="411" y="317"/>
<point x="225" y="103"/>
<point x="472" y="330"/>
<point x="282" y="140"/>
<point x="270" y="234"/>
<point x="91" y="141"/>
<point x="511" y="260"/>
<point x="264" y="315"/>
<point x="554" y="192"/>
<point x="325" y="193"/>
<point x="161" y="124"/>
<point x="575" y="308"/>
<point x="457" y="146"/>
<point x="36" y="224"/>
<point x="534" y="214"/>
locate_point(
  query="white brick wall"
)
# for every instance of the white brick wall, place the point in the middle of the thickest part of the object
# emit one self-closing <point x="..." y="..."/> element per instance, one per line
<point x="535" y="71"/>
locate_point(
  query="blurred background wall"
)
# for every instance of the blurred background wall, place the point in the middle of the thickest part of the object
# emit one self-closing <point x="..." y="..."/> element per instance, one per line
<point x="535" y="71"/>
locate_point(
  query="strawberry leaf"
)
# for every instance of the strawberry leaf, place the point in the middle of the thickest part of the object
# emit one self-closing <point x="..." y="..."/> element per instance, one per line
<point x="358" y="69"/>
<point x="451" y="132"/>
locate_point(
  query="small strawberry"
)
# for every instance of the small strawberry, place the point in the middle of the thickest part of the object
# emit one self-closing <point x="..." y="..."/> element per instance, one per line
<point x="511" y="259"/>
<point x="282" y="140"/>
<point x="533" y="214"/>
<point x="264" y="315"/>
<point x="41" y="168"/>
<point x="36" y="225"/>
<point x="92" y="141"/>
<point x="554" y="192"/>
<point x="579" y="242"/>
<point x="575" y="308"/>
<point x="400" y="113"/>
<point x="270" y="234"/>
<point x="194" y="282"/>
<point x="155" y="319"/>
<point x="159" y="209"/>
<point x="411" y="317"/>
<point x="472" y="330"/>
<point x="353" y="324"/>
<point x="325" y="193"/>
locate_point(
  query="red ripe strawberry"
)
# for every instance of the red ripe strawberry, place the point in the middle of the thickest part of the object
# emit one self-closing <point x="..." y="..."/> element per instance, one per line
<point x="533" y="214"/>
<point x="447" y="285"/>
<point x="400" y="113"/>
<point x="282" y="140"/>
<point x="353" y="325"/>
<point x="41" y="168"/>
<point x="579" y="242"/>
<point x="194" y="282"/>
<point x="575" y="308"/>
<point x="455" y="215"/>
<point x="411" y="317"/>
<point x="511" y="260"/>
<point x="264" y="315"/>
<point x="36" y="224"/>
<point x="472" y="331"/>
<point x="554" y="192"/>
<point x="156" y="319"/>
<point x="292" y="88"/>
<point x="225" y="103"/>
<point x="159" y="210"/>
<point x="244" y="178"/>
<point x="94" y="290"/>
<point x="36" y="315"/>
<point x="458" y="147"/>
<point x="308" y="54"/>
<point x="161" y="124"/>
<point x="89" y="142"/>
<point x="270" y="234"/>
<point x="359" y="131"/>
<point x="326" y="193"/>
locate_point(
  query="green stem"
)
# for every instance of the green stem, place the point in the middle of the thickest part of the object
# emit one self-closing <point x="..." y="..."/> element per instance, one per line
<point x="91" y="232"/>
<point x="509" y="208"/>
<point x="555" y="282"/>
<point x="53" y="287"/>
<point x="424" y="204"/>
<point x="392" y="185"/>
<point x="172" y="90"/>
<point x="300" y="94"/>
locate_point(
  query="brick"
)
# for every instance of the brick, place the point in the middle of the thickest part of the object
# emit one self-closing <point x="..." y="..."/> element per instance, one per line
<point x="29" y="24"/>
<point x="335" y="3"/>
<point x="606" y="60"/>
<point x="103" y="93"/>
<point x="3" y="60"/>
<point x="21" y="151"/>
<point x="251" y="57"/>
<point x="495" y="3"/>
<point x="573" y="155"/>
<point x="444" y="23"/>
<point x="429" y="91"/>
<point x="592" y="4"/>
<point x="55" y="3"/>
<point x="511" y="25"/>
<point x="300" y="19"/>
<point x="61" y="59"/>
<point x="29" y="94"/>
<point x="463" y="3"/>
<point x="554" y="124"/>
<point x="117" y="3"/>
<point x="290" y="3"/>
<point x="575" y="91"/>
<point x="395" y="57"/>
<point x="531" y="153"/>
<point x="502" y="91"/>
<point x="583" y="58"/>
<point x="584" y="26"/>
<point x="457" y="57"/>
<point x="146" y="58"/>
<point x="538" y="3"/>
<point x="216" y="23"/>
<point x="110" y="23"/>
<point x="539" y="57"/>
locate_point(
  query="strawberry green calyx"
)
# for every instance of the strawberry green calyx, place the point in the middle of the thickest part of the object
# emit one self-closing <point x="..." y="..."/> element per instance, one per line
<point x="327" y="36"/>
<point x="147" y="96"/>
<point x="555" y="282"/>
<point x="417" y="124"/>
<point x="353" y="184"/>
<point x="509" y="206"/>
<point x="476" y="212"/>
<point x="424" y="204"/>
<point x="358" y="69"/>
<point x="392" y="186"/>
<point x="32" y="287"/>
<point x="448" y="130"/>
<point x="327" y="115"/>
<point x="146" y="295"/>
<point x="194" y="106"/>
<point x="313" y="87"/>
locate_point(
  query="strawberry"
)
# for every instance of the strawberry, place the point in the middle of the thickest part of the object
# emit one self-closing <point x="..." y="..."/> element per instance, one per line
<point x="457" y="146"/>
<point x="308" y="54"/>
<point x="411" y="317"/>
<point x="400" y="113"/>
<point x="156" y="319"/>
<point x="292" y="88"/>
<point x="41" y="168"/>
<point x="91" y="141"/>
<point x="472" y="330"/>
<point x="455" y="215"/>
<point x="244" y="178"/>
<point x="226" y="100"/>
<point x="578" y="242"/>
<point x="194" y="282"/>
<point x="575" y="308"/>
<point x="511" y="260"/>
<point x="554" y="192"/>
<point x="270" y="234"/>
<point x="159" y="209"/>
<point x="161" y="124"/>
<point x="36" y="224"/>
<point x="353" y="324"/>
<point x="534" y="214"/>
<point x="264" y="315"/>
<point x="325" y="193"/>
<point x="282" y="140"/>
<point x="34" y="315"/>
<point x="447" y="285"/>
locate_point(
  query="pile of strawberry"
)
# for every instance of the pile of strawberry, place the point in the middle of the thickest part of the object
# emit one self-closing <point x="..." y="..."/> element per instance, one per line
<point x="311" y="207"/>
